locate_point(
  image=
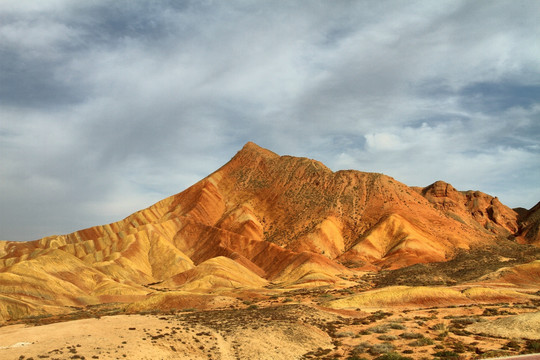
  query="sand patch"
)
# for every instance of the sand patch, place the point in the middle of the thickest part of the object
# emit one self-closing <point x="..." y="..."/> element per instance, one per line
<point x="524" y="326"/>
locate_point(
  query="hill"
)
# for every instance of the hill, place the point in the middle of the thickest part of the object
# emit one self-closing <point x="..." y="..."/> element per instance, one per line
<point x="260" y="221"/>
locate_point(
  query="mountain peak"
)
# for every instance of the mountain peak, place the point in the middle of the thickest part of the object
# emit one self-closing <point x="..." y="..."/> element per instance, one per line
<point x="253" y="150"/>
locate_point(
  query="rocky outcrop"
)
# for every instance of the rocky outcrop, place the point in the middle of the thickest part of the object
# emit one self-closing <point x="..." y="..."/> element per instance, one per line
<point x="530" y="226"/>
<point x="473" y="208"/>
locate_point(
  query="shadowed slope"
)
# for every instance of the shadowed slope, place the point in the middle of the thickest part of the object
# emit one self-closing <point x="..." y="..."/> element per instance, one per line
<point x="530" y="226"/>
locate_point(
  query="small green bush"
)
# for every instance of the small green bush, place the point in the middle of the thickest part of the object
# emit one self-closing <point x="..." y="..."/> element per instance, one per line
<point x="532" y="347"/>
<point x="387" y="337"/>
<point x="439" y="327"/>
<point x="381" y="348"/>
<point x="354" y="357"/>
<point x="512" y="344"/>
<point x="421" y="342"/>
<point x="361" y="348"/>
<point x="379" y="329"/>
<point x="410" y="335"/>
<point x="392" y="356"/>
<point x="446" y="354"/>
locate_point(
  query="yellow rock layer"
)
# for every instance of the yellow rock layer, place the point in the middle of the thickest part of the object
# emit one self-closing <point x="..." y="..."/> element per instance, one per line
<point x="425" y="296"/>
<point x="218" y="272"/>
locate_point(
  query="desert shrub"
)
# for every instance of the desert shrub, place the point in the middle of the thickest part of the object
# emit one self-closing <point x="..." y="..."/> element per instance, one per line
<point x="252" y="307"/>
<point x="421" y="342"/>
<point x="512" y="344"/>
<point x="354" y="357"/>
<point x="410" y="335"/>
<point x="464" y="321"/>
<point x="364" y="332"/>
<point x="458" y="347"/>
<point x="441" y="336"/>
<point x="446" y="354"/>
<point x="387" y="337"/>
<point x="345" y="334"/>
<point x="460" y="332"/>
<point x="408" y="351"/>
<point x="381" y="348"/>
<point x="392" y="356"/>
<point x="396" y="326"/>
<point x="288" y="300"/>
<point x="532" y="347"/>
<point x="490" y="312"/>
<point x="360" y="348"/>
<point x="439" y="327"/>
<point x="379" y="329"/>
<point x="379" y="315"/>
<point x="442" y="329"/>
<point x="494" y="354"/>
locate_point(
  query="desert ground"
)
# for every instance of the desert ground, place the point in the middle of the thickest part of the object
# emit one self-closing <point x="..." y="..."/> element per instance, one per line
<point x="304" y="323"/>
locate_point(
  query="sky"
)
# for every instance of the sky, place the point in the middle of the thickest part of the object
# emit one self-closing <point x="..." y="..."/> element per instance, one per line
<point x="109" y="106"/>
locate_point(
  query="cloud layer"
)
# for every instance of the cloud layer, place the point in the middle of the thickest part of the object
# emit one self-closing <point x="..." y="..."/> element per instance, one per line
<point x="107" y="107"/>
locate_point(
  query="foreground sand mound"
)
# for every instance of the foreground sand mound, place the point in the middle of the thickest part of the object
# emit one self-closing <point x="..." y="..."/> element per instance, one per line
<point x="425" y="296"/>
<point x="524" y="326"/>
<point x="259" y="334"/>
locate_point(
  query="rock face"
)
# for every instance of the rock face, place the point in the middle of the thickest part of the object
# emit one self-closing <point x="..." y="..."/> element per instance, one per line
<point x="530" y="226"/>
<point x="260" y="219"/>
<point x="482" y="208"/>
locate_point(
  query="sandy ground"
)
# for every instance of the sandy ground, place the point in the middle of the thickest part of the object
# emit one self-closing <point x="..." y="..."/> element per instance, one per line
<point x="294" y="325"/>
<point x="159" y="337"/>
<point x="524" y="326"/>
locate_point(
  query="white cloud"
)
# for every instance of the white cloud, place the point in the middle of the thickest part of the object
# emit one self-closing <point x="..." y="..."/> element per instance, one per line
<point x="384" y="142"/>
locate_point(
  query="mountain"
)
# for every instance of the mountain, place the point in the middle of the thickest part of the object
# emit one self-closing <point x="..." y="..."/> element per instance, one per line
<point x="261" y="220"/>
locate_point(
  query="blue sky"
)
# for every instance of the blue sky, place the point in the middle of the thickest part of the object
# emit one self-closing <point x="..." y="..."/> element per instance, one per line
<point x="107" y="107"/>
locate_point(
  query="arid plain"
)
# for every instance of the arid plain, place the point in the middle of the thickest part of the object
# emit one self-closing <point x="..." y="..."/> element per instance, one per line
<point x="278" y="257"/>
